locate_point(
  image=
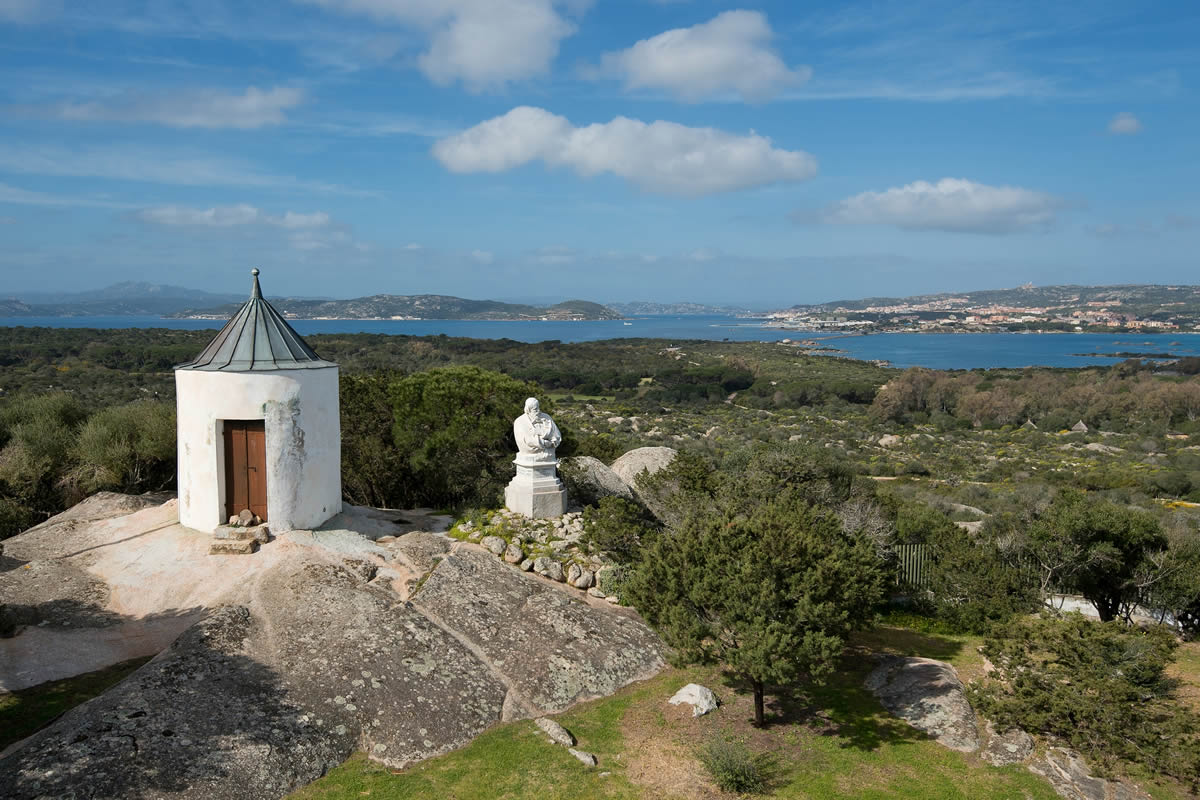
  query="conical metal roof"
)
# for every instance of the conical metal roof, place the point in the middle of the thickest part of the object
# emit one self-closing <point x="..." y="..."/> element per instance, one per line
<point x="256" y="339"/>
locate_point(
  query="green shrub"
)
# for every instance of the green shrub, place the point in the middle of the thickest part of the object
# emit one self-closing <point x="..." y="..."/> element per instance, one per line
<point x="975" y="581"/>
<point x="37" y="433"/>
<point x="374" y="471"/>
<point x="1101" y="687"/>
<point x="129" y="448"/>
<point x="732" y="766"/>
<point x="618" y="527"/>
<point x="14" y="517"/>
<point x="453" y="429"/>
<point x="612" y="578"/>
<point x="603" y="447"/>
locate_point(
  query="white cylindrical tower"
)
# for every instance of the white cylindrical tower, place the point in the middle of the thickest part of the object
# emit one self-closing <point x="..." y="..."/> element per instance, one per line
<point x="258" y="426"/>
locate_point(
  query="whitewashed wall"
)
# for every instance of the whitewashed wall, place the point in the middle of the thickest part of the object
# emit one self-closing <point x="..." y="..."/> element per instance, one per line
<point x="304" y="443"/>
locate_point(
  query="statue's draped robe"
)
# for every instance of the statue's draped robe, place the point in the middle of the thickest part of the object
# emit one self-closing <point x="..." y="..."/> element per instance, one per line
<point x="537" y="437"/>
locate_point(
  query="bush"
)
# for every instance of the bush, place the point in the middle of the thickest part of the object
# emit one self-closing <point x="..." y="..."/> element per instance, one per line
<point x="603" y="447"/>
<point x="37" y="433"/>
<point x="732" y="766"/>
<point x="612" y="579"/>
<point x="1099" y="686"/>
<point x="129" y="448"/>
<point x="618" y="527"/>
<point x="453" y="428"/>
<point x="974" y="580"/>
<point x="14" y="518"/>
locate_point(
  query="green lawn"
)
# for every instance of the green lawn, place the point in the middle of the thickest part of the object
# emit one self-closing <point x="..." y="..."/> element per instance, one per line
<point x="25" y="711"/>
<point x="825" y="742"/>
<point x="828" y="742"/>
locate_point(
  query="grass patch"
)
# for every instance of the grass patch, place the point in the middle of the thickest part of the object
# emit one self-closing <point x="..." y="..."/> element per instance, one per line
<point x="825" y="742"/>
<point x="26" y="711"/>
<point x="1186" y="670"/>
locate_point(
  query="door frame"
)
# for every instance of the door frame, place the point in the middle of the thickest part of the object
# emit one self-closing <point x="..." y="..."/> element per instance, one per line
<point x="224" y="467"/>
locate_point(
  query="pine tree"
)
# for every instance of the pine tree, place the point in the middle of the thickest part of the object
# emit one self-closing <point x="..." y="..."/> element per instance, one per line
<point x="771" y="593"/>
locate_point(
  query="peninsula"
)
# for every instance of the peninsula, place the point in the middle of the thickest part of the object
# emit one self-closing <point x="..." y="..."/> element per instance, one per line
<point x="1103" y="309"/>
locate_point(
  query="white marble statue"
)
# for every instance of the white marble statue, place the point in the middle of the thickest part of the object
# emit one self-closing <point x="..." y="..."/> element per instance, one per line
<point x="537" y="435"/>
<point x="535" y="490"/>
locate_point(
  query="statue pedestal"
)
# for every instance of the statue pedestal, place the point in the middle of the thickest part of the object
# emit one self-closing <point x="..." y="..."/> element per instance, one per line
<point x="536" y="490"/>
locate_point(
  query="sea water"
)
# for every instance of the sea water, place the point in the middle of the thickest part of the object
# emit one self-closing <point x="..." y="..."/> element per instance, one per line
<point x="934" y="350"/>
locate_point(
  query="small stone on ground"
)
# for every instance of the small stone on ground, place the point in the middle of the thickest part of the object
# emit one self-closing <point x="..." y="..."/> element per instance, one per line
<point x="583" y="755"/>
<point x="700" y="698"/>
<point x="557" y="733"/>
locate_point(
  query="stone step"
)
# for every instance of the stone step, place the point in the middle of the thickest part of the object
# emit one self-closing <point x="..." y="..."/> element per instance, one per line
<point x="232" y="547"/>
<point x="259" y="533"/>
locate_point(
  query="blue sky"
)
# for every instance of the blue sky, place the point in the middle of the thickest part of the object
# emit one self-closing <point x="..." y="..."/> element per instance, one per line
<point x="755" y="153"/>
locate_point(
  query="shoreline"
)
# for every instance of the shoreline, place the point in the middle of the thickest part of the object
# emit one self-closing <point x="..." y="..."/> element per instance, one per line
<point x="214" y="317"/>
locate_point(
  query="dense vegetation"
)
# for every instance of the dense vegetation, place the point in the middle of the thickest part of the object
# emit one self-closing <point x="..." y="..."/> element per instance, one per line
<point x="761" y="574"/>
<point x="1101" y="687"/>
<point x="799" y="481"/>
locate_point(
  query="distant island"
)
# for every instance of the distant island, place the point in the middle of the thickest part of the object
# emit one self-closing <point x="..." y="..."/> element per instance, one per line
<point x="176" y="302"/>
<point x="416" y="307"/>
<point x="129" y="298"/>
<point x="1045" y="309"/>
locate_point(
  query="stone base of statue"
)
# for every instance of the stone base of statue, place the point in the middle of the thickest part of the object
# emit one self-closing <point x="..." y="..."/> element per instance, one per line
<point x="536" y="490"/>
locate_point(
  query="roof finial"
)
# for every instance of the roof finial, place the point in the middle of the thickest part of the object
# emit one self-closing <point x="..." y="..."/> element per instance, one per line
<point x="255" y="292"/>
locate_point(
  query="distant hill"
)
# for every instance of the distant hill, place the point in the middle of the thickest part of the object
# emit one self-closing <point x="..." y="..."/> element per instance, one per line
<point x="11" y="307"/>
<point x="121" y="299"/>
<point x="643" y="308"/>
<point x="420" y="306"/>
<point x="1138" y="297"/>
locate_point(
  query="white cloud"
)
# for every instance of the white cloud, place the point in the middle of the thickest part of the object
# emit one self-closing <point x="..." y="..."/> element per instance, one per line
<point x="951" y="204"/>
<point x="198" y="108"/>
<point x="729" y="53"/>
<point x="414" y="246"/>
<point x="483" y="43"/>
<point x="27" y="10"/>
<point x="658" y="156"/>
<point x="1124" y="123"/>
<point x="15" y="195"/>
<point x="231" y="216"/>
<point x="555" y="255"/>
<point x="148" y="165"/>
<point x="308" y="240"/>
<point x="483" y="256"/>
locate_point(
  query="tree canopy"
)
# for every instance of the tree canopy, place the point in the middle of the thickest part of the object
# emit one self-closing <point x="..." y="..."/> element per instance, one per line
<point x="1097" y="548"/>
<point x="453" y="427"/>
<point x="771" y="593"/>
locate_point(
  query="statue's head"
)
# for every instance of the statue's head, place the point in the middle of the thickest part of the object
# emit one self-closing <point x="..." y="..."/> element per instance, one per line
<point x="532" y="407"/>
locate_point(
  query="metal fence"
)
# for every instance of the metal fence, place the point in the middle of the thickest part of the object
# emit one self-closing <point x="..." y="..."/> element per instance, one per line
<point x="912" y="564"/>
<point x="913" y="568"/>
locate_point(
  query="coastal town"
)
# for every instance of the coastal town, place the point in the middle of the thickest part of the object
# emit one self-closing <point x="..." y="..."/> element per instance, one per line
<point x="1051" y="309"/>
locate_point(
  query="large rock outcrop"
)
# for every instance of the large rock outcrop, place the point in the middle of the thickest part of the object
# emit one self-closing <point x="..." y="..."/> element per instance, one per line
<point x="928" y="695"/>
<point x="396" y="640"/>
<point x="642" y="459"/>
<point x="202" y="719"/>
<point x="589" y="479"/>
<point x="660" y="497"/>
<point x="1071" y="778"/>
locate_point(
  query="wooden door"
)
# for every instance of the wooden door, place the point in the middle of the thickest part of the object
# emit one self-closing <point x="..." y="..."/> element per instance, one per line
<point x="245" y="467"/>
